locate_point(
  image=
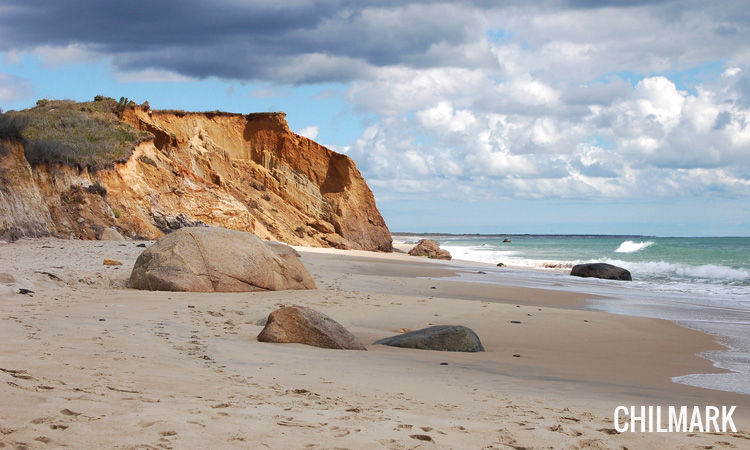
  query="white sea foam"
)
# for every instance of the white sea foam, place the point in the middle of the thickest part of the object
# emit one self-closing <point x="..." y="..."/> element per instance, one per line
<point x="480" y="253"/>
<point x="632" y="247"/>
<point x="646" y="269"/>
<point x="666" y="269"/>
<point x="489" y="254"/>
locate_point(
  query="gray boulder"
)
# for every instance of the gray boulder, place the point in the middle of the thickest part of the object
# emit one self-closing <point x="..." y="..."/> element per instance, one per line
<point x="302" y="325"/>
<point x="446" y="338"/>
<point x="214" y="259"/>
<point x="601" y="270"/>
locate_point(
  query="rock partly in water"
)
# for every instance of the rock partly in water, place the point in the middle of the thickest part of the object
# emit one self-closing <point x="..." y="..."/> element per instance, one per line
<point x="214" y="259"/>
<point x="430" y="249"/>
<point x="601" y="270"/>
<point x="302" y="325"/>
<point x="446" y="338"/>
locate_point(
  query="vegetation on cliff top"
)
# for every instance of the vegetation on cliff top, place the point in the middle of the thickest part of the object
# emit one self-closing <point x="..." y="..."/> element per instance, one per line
<point x="87" y="134"/>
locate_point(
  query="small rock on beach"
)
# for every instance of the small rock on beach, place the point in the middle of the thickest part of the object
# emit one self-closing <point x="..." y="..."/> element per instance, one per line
<point x="302" y="325"/>
<point x="447" y="338"/>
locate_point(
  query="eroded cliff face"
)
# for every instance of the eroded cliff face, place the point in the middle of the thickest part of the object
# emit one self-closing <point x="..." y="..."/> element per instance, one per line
<point x="244" y="172"/>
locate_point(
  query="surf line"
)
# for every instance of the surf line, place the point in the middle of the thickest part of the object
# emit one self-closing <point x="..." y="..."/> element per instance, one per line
<point x="677" y="419"/>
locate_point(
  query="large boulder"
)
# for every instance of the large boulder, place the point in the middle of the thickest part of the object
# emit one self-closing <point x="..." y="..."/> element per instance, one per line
<point x="216" y="259"/>
<point x="446" y="338"/>
<point x="110" y="234"/>
<point x="302" y="325"/>
<point x="430" y="249"/>
<point x="601" y="270"/>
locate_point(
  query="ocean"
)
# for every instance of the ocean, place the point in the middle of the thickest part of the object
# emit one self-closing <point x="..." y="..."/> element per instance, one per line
<point x="701" y="283"/>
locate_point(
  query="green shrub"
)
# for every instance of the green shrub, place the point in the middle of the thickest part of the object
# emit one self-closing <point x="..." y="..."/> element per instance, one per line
<point x="81" y="134"/>
<point x="117" y="213"/>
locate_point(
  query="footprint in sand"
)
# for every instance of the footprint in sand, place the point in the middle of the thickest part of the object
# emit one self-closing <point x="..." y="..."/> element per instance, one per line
<point x="145" y="424"/>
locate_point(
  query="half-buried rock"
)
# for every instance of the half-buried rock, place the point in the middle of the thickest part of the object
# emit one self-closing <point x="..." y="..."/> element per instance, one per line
<point x="213" y="259"/>
<point x="302" y="325"/>
<point x="446" y="338"/>
<point x="601" y="270"/>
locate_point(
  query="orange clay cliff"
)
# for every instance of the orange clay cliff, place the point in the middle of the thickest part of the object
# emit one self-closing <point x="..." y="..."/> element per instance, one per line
<point x="246" y="172"/>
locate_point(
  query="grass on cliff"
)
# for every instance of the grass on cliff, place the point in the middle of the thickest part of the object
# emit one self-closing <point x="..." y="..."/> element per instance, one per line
<point x="87" y="134"/>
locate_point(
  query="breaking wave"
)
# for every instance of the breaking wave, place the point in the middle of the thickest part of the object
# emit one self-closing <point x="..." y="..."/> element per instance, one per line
<point x="632" y="247"/>
<point x="667" y="269"/>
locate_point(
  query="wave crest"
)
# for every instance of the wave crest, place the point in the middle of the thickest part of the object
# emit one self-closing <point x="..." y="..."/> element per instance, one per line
<point x="632" y="247"/>
<point x="662" y="268"/>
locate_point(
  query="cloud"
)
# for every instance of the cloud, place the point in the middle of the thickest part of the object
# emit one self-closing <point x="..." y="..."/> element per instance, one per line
<point x="270" y="92"/>
<point x="73" y="53"/>
<point x="310" y="132"/>
<point x="651" y="140"/>
<point x="289" y="41"/>
<point x="300" y="41"/>
<point x="661" y="126"/>
<point x="14" y="88"/>
<point x="400" y="90"/>
<point x="563" y="99"/>
<point x="150" y="75"/>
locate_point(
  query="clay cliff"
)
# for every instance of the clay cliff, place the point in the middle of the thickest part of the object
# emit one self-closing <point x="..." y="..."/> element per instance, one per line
<point x="244" y="172"/>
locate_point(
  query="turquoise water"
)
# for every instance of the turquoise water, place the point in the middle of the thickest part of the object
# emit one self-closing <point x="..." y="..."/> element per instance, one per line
<point x="724" y="260"/>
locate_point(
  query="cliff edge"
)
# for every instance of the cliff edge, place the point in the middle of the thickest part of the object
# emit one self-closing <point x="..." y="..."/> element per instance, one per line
<point x="169" y="169"/>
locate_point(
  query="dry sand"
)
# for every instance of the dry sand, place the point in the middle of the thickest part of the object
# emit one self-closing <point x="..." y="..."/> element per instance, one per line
<point x="86" y="363"/>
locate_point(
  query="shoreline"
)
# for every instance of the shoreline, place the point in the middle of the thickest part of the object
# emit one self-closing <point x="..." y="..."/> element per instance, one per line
<point x="185" y="370"/>
<point x="720" y="317"/>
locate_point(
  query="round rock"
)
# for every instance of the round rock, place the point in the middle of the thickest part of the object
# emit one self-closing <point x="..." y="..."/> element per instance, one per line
<point x="213" y="259"/>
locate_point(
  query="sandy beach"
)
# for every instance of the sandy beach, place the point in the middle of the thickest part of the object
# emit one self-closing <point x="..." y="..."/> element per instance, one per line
<point x="87" y="364"/>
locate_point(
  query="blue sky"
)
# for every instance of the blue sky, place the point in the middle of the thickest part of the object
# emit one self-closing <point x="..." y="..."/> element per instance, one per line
<point x="495" y="117"/>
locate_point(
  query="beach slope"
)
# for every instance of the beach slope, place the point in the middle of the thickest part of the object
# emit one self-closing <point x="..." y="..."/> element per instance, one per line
<point x="87" y="363"/>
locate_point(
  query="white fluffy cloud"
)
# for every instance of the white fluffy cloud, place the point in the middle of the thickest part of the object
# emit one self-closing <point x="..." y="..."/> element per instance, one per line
<point x="310" y="132"/>
<point x="653" y="140"/>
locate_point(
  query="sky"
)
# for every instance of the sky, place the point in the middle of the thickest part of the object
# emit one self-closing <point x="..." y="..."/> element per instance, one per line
<point x="577" y="116"/>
